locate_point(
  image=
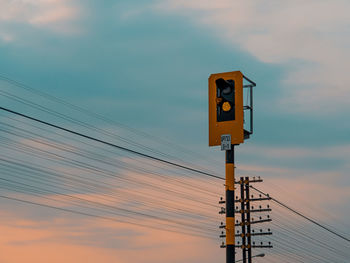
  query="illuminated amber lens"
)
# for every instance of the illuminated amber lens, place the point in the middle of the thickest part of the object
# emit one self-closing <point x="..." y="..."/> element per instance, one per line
<point x="226" y="106"/>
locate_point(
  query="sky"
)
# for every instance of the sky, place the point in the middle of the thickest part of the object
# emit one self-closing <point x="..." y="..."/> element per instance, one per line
<point x="145" y="65"/>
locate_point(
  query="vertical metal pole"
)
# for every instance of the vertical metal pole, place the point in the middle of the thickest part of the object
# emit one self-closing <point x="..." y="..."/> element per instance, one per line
<point x="248" y="220"/>
<point x="230" y="205"/>
<point x="243" y="232"/>
<point x="251" y="110"/>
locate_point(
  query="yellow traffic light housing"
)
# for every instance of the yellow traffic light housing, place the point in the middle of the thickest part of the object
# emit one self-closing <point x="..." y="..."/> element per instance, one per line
<point x="226" y="107"/>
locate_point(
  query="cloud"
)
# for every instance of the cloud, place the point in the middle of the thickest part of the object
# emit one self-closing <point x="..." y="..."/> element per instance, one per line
<point x="339" y="152"/>
<point x="302" y="177"/>
<point x="307" y="191"/>
<point x="53" y="15"/>
<point x="40" y="244"/>
<point x="85" y="240"/>
<point x="324" y="164"/>
<point x="307" y="37"/>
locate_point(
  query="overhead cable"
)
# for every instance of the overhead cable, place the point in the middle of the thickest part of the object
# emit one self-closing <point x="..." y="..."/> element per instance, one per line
<point x="301" y="215"/>
<point x="110" y="144"/>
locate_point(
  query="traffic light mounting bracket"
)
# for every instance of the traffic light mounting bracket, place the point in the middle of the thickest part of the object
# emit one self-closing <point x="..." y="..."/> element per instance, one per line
<point x="248" y="107"/>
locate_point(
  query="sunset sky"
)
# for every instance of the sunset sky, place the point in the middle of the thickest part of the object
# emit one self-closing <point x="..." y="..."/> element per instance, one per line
<point x="145" y="65"/>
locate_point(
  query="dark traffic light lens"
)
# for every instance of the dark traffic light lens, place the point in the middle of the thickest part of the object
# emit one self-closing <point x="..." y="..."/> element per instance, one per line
<point x="227" y="90"/>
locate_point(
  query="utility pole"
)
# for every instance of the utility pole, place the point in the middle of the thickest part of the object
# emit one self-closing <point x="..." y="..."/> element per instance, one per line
<point x="230" y="205"/>
<point x="227" y="128"/>
<point x="243" y="219"/>
<point x="246" y="210"/>
<point x="247" y="205"/>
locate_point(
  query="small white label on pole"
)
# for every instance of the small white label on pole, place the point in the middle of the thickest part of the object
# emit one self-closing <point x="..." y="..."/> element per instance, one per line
<point x="225" y="142"/>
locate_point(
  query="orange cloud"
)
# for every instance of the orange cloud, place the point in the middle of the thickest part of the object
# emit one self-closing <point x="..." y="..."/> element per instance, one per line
<point x="41" y="242"/>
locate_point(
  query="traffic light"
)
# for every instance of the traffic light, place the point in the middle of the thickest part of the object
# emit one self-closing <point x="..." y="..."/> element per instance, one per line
<point x="226" y="107"/>
<point x="225" y="99"/>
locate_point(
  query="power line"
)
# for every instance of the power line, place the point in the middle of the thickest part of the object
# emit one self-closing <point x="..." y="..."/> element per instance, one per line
<point x="139" y="164"/>
<point x="98" y="157"/>
<point x="16" y="146"/>
<point x="167" y="162"/>
<point x="96" y="216"/>
<point x="115" y="210"/>
<point x="309" y="230"/>
<point x="301" y="215"/>
<point x="153" y="138"/>
<point x="307" y="240"/>
<point x="111" y="144"/>
<point x="100" y="171"/>
<point x="52" y="181"/>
